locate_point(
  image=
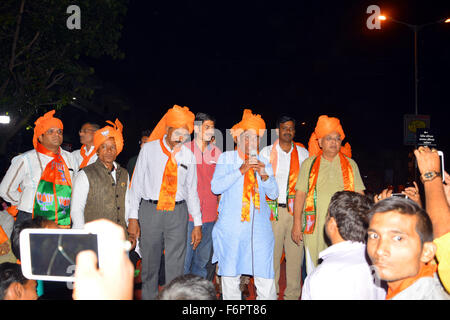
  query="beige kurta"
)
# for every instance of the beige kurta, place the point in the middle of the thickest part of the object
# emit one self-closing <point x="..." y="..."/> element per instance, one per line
<point x="329" y="181"/>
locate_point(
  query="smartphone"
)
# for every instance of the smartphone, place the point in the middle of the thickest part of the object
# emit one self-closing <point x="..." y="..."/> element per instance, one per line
<point x="50" y="254"/>
<point x="400" y="195"/>
<point x="441" y="157"/>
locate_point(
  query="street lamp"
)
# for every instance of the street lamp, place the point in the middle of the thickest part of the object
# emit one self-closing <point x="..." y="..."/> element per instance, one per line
<point x="415" y="28"/>
<point x="5" y="119"/>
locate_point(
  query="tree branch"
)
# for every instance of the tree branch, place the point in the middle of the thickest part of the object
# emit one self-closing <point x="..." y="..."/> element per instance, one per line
<point x="56" y="79"/>
<point x="27" y="47"/>
<point x="16" y="37"/>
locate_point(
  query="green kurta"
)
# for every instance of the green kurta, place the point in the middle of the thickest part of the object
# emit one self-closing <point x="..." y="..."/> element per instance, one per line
<point x="329" y="182"/>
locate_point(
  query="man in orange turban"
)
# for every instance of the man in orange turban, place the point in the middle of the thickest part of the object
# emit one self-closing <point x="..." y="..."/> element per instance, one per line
<point x="242" y="236"/>
<point x="43" y="174"/>
<point x="328" y="169"/>
<point x="101" y="188"/>
<point x="163" y="190"/>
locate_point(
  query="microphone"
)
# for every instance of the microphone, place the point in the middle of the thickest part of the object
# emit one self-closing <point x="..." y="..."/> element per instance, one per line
<point x="253" y="156"/>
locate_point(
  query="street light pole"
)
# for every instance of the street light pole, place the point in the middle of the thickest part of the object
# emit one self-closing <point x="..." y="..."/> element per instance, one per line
<point x="415" y="29"/>
<point x="416" y="72"/>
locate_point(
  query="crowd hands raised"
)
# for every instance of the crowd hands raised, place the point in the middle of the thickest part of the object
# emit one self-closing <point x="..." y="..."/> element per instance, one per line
<point x="354" y="247"/>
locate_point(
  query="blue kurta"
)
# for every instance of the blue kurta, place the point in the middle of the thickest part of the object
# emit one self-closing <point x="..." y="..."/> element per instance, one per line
<point x="242" y="247"/>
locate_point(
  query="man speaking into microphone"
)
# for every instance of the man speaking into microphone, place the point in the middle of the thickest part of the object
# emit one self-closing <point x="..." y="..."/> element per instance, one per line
<point x="242" y="236"/>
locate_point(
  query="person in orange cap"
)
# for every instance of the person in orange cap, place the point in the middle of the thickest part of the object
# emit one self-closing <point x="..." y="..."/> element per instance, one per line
<point x="328" y="169"/>
<point x="100" y="189"/>
<point x="163" y="190"/>
<point x="44" y="175"/>
<point x="242" y="236"/>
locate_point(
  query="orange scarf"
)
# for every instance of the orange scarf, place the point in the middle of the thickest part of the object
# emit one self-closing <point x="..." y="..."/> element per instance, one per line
<point x="3" y="235"/>
<point x="85" y="157"/>
<point x="311" y="198"/>
<point x="52" y="199"/>
<point x="425" y="271"/>
<point x="250" y="191"/>
<point x="294" y="169"/>
<point x="168" y="190"/>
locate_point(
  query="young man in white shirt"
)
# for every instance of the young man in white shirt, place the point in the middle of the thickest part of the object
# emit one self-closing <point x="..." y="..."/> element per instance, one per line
<point x="286" y="157"/>
<point x="86" y="155"/>
<point x="163" y="190"/>
<point x="345" y="272"/>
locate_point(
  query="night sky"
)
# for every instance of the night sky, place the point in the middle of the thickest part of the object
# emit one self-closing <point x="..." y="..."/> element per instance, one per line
<point x="303" y="58"/>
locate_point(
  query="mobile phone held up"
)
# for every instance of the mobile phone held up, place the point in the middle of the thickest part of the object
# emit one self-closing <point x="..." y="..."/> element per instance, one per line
<point x="400" y="195"/>
<point x="50" y="254"/>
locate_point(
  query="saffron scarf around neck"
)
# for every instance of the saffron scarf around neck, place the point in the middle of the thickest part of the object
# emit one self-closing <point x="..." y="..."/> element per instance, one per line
<point x="54" y="190"/>
<point x="168" y="191"/>
<point x="309" y="214"/>
<point x="294" y="169"/>
<point x="250" y="191"/>
<point x="85" y="157"/>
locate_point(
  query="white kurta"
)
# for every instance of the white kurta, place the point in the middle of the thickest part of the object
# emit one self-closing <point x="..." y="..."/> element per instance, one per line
<point x="242" y="247"/>
<point x="26" y="171"/>
<point x="344" y="274"/>
<point x="79" y="159"/>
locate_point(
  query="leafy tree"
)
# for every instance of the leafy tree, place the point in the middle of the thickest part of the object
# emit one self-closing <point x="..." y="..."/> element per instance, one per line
<point x="41" y="64"/>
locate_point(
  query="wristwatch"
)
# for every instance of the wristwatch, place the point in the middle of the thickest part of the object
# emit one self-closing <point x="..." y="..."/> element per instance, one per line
<point x="428" y="176"/>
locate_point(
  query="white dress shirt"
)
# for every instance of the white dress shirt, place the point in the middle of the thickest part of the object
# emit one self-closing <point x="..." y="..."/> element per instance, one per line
<point x="79" y="159"/>
<point x="284" y="161"/>
<point x="80" y="191"/>
<point x="344" y="274"/>
<point x="26" y="171"/>
<point x="148" y="175"/>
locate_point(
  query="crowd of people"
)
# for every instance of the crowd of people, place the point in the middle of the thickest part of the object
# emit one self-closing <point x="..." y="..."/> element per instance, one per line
<point x="196" y="216"/>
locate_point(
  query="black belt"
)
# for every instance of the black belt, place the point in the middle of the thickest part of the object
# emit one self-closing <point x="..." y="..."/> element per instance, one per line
<point x="156" y="201"/>
<point x="282" y="205"/>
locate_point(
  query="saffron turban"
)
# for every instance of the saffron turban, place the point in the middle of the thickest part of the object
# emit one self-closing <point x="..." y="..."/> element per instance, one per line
<point x="175" y="117"/>
<point x="325" y="126"/>
<point x="44" y="123"/>
<point x="249" y="121"/>
<point x="114" y="131"/>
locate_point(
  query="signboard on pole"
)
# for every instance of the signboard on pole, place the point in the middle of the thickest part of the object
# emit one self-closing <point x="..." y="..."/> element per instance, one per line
<point x="413" y="122"/>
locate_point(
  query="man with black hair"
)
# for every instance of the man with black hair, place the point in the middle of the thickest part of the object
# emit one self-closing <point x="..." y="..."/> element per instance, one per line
<point x="206" y="156"/>
<point x="344" y="273"/>
<point x="400" y="245"/>
<point x="286" y="157"/>
<point x="13" y="285"/>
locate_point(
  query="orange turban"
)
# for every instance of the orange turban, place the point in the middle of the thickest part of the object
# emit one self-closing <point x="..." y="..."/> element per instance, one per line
<point x="44" y="123"/>
<point x="175" y="117"/>
<point x="114" y="131"/>
<point x="249" y="121"/>
<point x="325" y="126"/>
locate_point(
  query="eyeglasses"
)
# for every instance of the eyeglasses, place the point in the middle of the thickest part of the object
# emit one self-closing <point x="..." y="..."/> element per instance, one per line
<point x="53" y="131"/>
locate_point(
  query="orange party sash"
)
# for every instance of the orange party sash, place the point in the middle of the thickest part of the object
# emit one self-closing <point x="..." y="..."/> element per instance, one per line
<point x="85" y="157"/>
<point x="309" y="216"/>
<point x="425" y="271"/>
<point x="168" y="190"/>
<point x="294" y="169"/>
<point x="53" y="194"/>
<point x="250" y="191"/>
